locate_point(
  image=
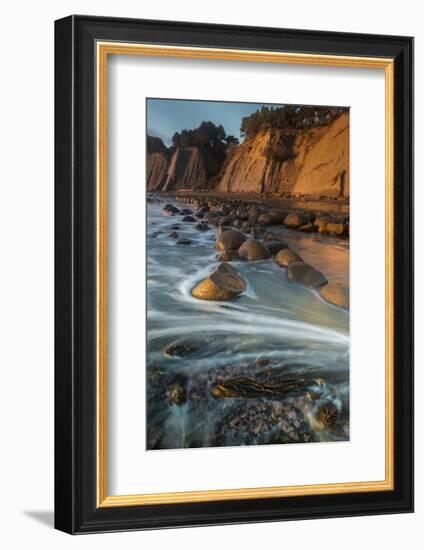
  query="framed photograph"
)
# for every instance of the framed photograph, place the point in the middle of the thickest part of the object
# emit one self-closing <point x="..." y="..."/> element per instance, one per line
<point x="234" y="274"/>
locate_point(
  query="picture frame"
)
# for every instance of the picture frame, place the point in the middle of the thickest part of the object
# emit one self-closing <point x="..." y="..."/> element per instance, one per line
<point x="83" y="45"/>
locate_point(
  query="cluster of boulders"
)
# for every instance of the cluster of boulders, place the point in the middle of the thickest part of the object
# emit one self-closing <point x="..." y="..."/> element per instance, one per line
<point x="242" y="234"/>
<point x="247" y="216"/>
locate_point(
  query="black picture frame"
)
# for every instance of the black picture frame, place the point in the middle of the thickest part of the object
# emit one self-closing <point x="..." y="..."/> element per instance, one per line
<point x="76" y="510"/>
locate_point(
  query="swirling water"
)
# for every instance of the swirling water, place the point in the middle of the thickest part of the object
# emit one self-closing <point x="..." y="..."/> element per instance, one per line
<point x="274" y="328"/>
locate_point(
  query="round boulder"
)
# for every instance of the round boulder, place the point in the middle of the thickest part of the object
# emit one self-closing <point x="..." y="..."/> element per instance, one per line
<point x="305" y="274"/>
<point x="321" y="223"/>
<point x="336" y="294"/>
<point x="253" y="250"/>
<point x="224" y="283"/>
<point x="229" y="239"/>
<point x="294" y="220"/>
<point x="335" y="229"/>
<point x="286" y="257"/>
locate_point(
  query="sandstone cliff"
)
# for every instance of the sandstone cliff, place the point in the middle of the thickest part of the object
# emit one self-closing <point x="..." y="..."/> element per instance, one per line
<point x="312" y="161"/>
<point x="186" y="170"/>
<point x="156" y="171"/>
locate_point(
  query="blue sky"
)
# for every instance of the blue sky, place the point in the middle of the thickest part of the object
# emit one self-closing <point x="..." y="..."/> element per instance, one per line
<point x="167" y="116"/>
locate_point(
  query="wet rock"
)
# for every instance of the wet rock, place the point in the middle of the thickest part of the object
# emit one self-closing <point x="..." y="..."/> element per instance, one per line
<point x="170" y="210"/>
<point x="275" y="246"/>
<point x="224" y="283"/>
<point x="229" y="239"/>
<point x="174" y="235"/>
<point x="305" y="274"/>
<point x="229" y="256"/>
<point x="294" y="220"/>
<point x="336" y="294"/>
<point x="186" y="212"/>
<point x="277" y="216"/>
<point x="253" y="251"/>
<point x="202" y="226"/>
<point x="189" y="219"/>
<point x="175" y="226"/>
<point x="286" y="257"/>
<point x="335" y="229"/>
<point x="176" y="394"/>
<point x="328" y="414"/>
<point x="183" y="241"/>
<point x="321" y="222"/>
<point x="264" y="219"/>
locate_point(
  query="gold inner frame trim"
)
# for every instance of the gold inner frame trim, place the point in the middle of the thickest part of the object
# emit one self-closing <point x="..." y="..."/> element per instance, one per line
<point x="104" y="49"/>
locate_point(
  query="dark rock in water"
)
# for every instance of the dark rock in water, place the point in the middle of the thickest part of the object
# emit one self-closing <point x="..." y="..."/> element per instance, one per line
<point x="174" y="235"/>
<point x="224" y="283"/>
<point x="251" y="388"/>
<point x="155" y="234"/>
<point x="189" y="219"/>
<point x="264" y="219"/>
<point x="176" y="394"/>
<point x="285" y="257"/>
<point x="229" y="239"/>
<point x="186" y="212"/>
<point x="183" y="241"/>
<point x="202" y="226"/>
<point x="170" y="210"/>
<point x="229" y="256"/>
<point x="175" y="226"/>
<point x="336" y="294"/>
<point x="305" y="274"/>
<point x="275" y="246"/>
<point x="328" y="414"/>
<point x="181" y="348"/>
<point x="277" y="216"/>
<point x="253" y="251"/>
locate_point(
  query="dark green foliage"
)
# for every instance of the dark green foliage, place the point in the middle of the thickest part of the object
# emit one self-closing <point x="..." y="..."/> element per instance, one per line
<point x="156" y="145"/>
<point x="288" y="117"/>
<point x="211" y="140"/>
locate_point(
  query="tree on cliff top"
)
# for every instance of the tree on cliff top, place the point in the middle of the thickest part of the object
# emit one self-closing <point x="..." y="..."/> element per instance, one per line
<point x="210" y="139"/>
<point x="290" y="117"/>
<point x="207" y="135"/>
<point x="156" y="145"/>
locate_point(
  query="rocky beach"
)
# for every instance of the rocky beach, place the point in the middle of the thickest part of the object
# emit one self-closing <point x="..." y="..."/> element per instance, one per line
<point x="247" y="323"/>
<point x="248" y="277"/>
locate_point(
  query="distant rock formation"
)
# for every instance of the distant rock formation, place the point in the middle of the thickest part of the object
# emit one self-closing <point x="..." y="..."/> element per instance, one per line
<point x="312" y="161"/>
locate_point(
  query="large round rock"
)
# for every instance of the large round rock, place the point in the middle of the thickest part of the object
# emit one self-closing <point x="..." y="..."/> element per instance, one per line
<point x="336" y="294"/>
<point x="294" y="220"/>
<point x="286" y="257"/>
<point x="253" y="250"/>
<point x="224" y="283"/>
<point x="305" y="274"/>
<point x="229" y="239"/>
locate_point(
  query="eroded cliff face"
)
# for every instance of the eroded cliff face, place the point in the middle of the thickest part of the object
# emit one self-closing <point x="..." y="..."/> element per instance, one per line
<point x="156" y="171"/>
<point x="311" y="162"/>
<point x="303" y="162"/>
<point x="186" y="170"/>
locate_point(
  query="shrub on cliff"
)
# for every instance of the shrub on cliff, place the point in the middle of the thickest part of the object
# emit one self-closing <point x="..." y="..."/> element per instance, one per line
<point x="288" y="117"/>
<point x="156" y="145"/>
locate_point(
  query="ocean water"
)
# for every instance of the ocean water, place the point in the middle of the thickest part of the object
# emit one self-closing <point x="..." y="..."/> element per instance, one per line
<point x="281" y="349"/>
